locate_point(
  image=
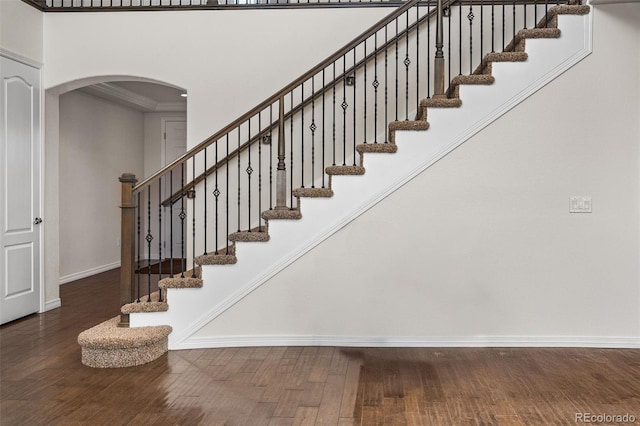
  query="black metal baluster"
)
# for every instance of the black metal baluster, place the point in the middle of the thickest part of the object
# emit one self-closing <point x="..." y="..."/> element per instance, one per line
<point x="524" y="15"/>
<point x="139" y="244"/>
<point x="344" y="106"/>
<point x="227" y="196"/>
<point x="493" y="27"/>
<point x="149" y="238"/>
<point x="302" y="136"/>
<point x="323" y="128"/>
<point x="260" y="170"/>
<point x="216" y="194"/>
<point x="334" y="113"/>
<point x="171" y="273"/>
<point x="470" y="17"/>
<point x="313" y="131"/>
<point x="193" y="219"/>
<point x="503" y="24"/>
<point x="183" y="215"/>
<point x="160" y="228"/>
<point x="386" y="80"/>
<point x="429" y="57"/>
<point x="514" y="19"/>
<point x="481" y="29"/>
<point x="354" y="105"/>
<point x="449" y="45"/>
<point x="397" y="72"/>
<point x="535" y="13"/>
<point x="546" y="13"/>
<point x="365" y="93"/>
<point x="459" y="41"/>
<point x="375" y="85"/>
<point x="249" y="171"/>
<point x="239" y="179"/>
<point x="417" y="56"/>
<point x="407" y="62"/>
<point x="205" y="201"/>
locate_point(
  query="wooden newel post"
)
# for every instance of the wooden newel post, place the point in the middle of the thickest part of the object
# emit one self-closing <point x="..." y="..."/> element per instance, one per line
<point x="438" y="63"/>
<point x="127" y="244"/>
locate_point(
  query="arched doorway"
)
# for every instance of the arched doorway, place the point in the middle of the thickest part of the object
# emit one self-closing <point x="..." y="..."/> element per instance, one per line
<point x="95" y="130"/>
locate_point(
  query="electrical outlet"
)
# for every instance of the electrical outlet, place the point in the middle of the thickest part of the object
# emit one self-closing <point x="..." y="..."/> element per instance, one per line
<point x="118" y="241"/>
<point x="580" y="204"/>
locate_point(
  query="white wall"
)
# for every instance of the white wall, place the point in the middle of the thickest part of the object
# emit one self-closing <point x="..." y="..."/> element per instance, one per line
<point x="21" y="29"/>
<point x="228" y="61"/>
<point x="481" y="245"/>
<point x="99" y="140"/>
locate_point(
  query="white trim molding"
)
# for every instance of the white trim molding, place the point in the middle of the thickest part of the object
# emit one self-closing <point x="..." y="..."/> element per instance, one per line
<point x="417" y="342"/>
<point x="51" y="304"/>
<point x="89" y="272"/>
<point x="19" y="58"/>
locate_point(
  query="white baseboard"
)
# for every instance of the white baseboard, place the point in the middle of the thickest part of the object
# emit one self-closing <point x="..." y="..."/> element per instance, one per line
<point x="88" y="272"/>
<point x="52" y="304"/>
<point x="416" y="342"/>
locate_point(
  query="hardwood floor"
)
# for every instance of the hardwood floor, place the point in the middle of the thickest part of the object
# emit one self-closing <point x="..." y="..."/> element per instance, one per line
<point x="44" y="383"/>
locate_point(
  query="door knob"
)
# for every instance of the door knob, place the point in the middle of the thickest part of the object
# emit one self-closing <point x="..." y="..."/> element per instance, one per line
<point x="37" y="221"/>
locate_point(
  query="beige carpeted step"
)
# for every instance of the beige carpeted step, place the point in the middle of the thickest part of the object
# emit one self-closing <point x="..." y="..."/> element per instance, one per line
<point x="282" y="214"/>
<point x="189" y="273"/>
<point x="256" y="235"/>
<point x="216" y="259"/>
<point x="313" y="192"/>
<point x="386" y="147"/>
<point x="411" y="125"/>
<point x="144" y="305"/>
<point x="186" y="282"/>
<point x="345" y="170"/>
<point x="551" y="20"/>
<point x="108" y="346"/>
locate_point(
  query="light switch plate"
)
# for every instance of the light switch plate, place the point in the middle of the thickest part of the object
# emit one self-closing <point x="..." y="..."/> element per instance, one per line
<point x="579" y="204"/>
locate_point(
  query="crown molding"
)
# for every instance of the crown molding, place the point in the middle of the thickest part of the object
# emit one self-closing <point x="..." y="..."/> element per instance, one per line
<point x="131" y="99"/>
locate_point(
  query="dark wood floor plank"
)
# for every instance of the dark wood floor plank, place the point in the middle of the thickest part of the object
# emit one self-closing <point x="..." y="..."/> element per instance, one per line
<point x="42" y="381"/>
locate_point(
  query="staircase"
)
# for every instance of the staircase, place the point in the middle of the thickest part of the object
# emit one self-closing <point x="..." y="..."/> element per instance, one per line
<point x="326" y="195"/>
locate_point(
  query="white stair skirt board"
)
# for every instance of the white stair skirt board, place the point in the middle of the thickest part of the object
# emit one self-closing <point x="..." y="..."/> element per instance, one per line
<point x="191" y="309"/>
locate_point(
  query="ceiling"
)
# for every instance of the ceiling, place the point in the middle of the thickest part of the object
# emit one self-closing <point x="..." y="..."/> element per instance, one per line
<point x="142" y="96"/>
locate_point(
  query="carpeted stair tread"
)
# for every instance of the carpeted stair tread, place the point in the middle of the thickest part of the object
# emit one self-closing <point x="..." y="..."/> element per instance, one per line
<point x="345" y="170"/>
<point x="506" y="57"/>
<point x="189" y="273"/>
<point x="282" y="214"/>
<point x="551" y="19"/>
<point x="313" y="192"/>
<point x="216" y="259"/>
<point x="186" y="282"/>
<point x="143" y="305"/>
<point x="473" y="79"/>
<point x="441" y="103"/>
<point x="108" y="346"/>
<point x="389" y="148"/>
<point x="519" y="42"/>
<point x="256" y="235"/>
<point x="408" y="125"/>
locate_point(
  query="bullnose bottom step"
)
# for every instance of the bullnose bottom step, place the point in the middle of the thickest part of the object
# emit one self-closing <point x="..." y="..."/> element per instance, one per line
<point x="108" y="346"/>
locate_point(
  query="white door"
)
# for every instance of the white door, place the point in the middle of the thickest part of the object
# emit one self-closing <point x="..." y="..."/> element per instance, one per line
<point x="19" y="190"/>
<point x="175" y="144"/>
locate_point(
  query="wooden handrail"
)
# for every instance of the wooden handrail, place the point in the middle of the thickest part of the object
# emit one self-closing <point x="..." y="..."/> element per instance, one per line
<point x="274" y="98"/>
<point x="181" y="192"/>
